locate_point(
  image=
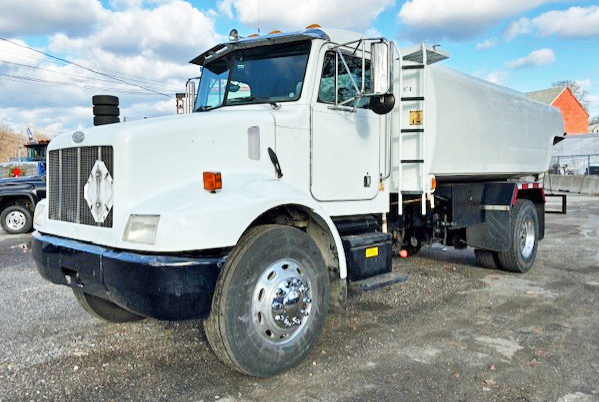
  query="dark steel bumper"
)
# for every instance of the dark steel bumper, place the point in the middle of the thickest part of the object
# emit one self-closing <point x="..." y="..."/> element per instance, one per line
<point x="158" y="286"/>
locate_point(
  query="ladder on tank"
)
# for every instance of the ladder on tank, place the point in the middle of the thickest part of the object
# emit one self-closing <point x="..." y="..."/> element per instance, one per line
<point x="419" y="58"/>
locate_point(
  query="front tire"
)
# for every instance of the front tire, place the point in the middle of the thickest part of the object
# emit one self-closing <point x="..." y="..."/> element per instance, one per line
<point x="524" y="235"/>
<point x="270" y="302"/>
<point x="16" y="219"/>
<point x="104" y="309"/>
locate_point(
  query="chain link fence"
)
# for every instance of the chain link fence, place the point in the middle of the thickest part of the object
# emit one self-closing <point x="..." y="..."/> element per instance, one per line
<point x="576" y="155"/>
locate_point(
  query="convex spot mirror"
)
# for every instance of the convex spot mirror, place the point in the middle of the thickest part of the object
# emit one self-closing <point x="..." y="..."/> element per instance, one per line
<point x="382" y="104"/>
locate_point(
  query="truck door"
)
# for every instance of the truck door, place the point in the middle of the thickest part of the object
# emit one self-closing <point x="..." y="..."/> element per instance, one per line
<point x="345" y="140"/>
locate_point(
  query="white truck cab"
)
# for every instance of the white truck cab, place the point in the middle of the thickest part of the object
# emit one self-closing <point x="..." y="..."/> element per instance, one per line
<point x="308" y="157"/>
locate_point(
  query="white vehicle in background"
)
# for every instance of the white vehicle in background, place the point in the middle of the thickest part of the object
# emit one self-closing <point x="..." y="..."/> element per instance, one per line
<point x="309" y="155"/>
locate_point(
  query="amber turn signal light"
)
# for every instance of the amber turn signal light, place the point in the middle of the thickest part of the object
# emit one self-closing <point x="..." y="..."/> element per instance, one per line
<point x="212" y="181"/>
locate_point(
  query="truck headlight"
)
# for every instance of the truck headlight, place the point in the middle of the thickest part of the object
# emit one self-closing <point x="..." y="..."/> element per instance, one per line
<point x="38" y="215"/>
<point x="141" y="229"/>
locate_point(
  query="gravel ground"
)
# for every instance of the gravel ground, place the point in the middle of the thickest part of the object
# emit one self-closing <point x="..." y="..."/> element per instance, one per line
<point x="451" y="332"/>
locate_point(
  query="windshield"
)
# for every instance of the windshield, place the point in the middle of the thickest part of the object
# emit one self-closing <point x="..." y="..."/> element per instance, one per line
<point x="264" y="74"/>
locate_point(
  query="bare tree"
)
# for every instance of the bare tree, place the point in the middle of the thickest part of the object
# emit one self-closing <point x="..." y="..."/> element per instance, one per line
<point x="581" y="95"/>
<point x="594" y="120"/>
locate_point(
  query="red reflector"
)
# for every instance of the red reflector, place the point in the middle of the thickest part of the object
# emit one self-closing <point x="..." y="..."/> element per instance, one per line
<point x="212" y="181"/>
<point x="525" y="186"/>
<point x="515" y="197"/>
<point x="403" y="253"/>
<point x="543" y="194"/>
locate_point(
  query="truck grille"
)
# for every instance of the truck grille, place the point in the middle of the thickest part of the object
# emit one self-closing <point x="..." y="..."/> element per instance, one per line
<point x="68" y="171"/>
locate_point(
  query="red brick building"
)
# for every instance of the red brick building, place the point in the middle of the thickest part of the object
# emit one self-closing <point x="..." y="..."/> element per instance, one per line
<point x="576" y="118"/>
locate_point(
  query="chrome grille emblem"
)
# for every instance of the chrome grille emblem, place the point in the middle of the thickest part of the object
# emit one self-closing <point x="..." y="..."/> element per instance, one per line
<point x="98" y="192"/>
<point x="78" y="136"/>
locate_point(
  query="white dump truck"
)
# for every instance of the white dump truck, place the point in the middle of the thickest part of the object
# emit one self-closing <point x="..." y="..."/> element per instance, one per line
<point x="310" y="157"/>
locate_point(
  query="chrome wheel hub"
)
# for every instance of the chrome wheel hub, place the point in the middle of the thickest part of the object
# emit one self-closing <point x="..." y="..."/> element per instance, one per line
<point x="15" y="220"/>
<point x="527" y="237"/>
<point x="282" y="302"/>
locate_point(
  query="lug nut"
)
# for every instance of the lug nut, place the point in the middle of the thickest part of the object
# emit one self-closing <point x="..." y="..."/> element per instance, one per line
<point x="307" y="300"/>
<point x="277" y="306"/>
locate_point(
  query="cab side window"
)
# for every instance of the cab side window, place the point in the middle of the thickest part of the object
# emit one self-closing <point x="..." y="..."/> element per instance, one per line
<point x="345" y="89"/>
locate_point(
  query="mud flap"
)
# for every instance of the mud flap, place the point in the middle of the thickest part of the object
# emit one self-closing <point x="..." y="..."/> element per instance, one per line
<point x="493" y="233"/>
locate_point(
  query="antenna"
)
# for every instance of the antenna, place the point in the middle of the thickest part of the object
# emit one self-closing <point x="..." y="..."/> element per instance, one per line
<point x="258" y="17"/>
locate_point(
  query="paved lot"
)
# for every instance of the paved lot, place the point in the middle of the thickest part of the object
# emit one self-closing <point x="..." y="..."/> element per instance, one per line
<point x="452" y="332"/>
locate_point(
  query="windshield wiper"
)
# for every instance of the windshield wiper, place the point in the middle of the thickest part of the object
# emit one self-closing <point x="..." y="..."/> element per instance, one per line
<point x="204" y="108"/>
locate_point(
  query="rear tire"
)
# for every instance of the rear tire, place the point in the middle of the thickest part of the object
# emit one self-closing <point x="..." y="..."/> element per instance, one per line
<point x="270" y="301"/>
<point x="104" y="309"/>
<point x="524" y="235"/>
<point x="486" y="258"/>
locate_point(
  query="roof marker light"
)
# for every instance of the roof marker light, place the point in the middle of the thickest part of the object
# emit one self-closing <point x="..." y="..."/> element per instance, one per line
<point x="313" y="26"/>
<point x="274" y="32"/>
<point x="253" y="36"/>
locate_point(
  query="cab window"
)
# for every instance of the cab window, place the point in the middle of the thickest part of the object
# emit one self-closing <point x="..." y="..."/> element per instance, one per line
<point x="345" y="89"/>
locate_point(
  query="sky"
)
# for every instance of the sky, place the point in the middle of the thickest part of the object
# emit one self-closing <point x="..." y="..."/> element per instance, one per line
<point x="56" y="54"/>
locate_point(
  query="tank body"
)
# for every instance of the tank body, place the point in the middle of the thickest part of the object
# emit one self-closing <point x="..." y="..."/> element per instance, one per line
<point x="473" y="129"/>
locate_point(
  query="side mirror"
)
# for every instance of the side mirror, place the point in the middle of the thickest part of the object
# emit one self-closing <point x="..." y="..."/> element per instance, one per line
<point x="380" y="62"/>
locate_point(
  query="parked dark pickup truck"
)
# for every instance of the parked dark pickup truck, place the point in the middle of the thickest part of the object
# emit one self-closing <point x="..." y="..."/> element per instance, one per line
<point x="18" y="198"/>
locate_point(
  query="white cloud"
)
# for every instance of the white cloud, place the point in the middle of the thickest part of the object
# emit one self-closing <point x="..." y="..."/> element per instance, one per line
<point x="497" y="77"/>
<point x="151" y="33"/>
<point x="575" y="22"/>
<point x="522" y="26"/>
<point x="536" y="58"/>
<point x="147" y="45"/>
<point x="486" y="44"/>
<point x="459" y="19"/>
<point x="276" y="14"/>
<point x="372" y="32"/>
<point x="38" y="17"/>
<point x="584" y="84"/>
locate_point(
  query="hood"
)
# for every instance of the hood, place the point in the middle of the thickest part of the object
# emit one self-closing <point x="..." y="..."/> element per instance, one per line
<point x="153" y="154"/>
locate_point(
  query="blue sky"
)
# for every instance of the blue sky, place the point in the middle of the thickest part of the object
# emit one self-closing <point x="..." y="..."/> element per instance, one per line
<point x="523" y="44"/>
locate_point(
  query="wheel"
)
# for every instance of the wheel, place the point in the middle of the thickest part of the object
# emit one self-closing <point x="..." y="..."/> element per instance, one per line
<point x="524" y="235"/>
<point x="16" y="219"/>
<point x="100" y="120"/>
<point x="108" y="100"/>
<point x="487" y="258"/>
<point x="103" y="110"/>
<point x="104" y="309"/>
<point x="270" y="301"/>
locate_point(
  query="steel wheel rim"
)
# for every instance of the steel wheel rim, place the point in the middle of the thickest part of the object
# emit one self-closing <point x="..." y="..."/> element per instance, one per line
<point x="15" y="220"/>
<point x="281" y="302"/>
<point x="527" y="237"/>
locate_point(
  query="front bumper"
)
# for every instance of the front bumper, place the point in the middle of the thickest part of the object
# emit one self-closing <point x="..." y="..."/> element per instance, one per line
<point x="159" y="286"/>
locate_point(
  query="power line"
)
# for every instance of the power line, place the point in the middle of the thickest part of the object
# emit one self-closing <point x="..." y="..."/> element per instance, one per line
<point x="85" y="68"/>
<point x="19" y="78"/>
<point x="113" y="72"/>
<point x="60" y="72"/>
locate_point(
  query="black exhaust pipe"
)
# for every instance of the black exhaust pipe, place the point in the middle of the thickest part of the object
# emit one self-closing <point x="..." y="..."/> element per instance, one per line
<point x="106" y="109"/>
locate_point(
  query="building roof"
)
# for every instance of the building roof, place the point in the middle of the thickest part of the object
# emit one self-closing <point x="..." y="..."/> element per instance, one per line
<point x="546" y="95"/>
